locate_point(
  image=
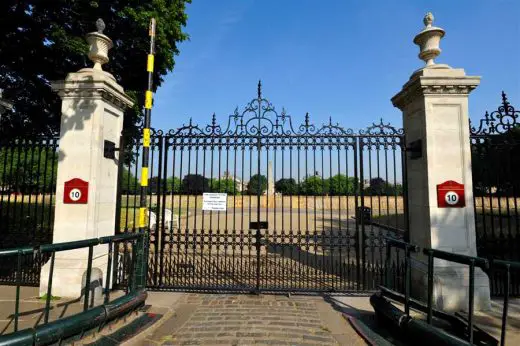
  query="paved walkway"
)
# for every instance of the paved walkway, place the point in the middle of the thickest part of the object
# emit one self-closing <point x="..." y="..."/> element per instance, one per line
<point x="243" y="319"/>
<point x="32" y="308"/>
<point x="232" y="319"/>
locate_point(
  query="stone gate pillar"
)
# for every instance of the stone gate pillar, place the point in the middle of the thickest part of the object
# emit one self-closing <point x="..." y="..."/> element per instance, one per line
<point x="92" y="113"/>
<point x="434" y="103"/>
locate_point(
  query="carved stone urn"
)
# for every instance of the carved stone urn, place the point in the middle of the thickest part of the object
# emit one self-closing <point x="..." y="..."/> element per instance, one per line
<point x="99" y="46"/>
<point x="429" y="40"/>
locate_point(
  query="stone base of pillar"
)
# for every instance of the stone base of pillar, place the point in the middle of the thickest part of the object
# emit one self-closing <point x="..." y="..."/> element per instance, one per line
<point x="70" y="275"/>
<point x="451" y="288"/>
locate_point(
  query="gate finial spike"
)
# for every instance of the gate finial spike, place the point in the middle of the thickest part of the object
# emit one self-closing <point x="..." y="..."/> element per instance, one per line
<point x="259" y="88"/>
<point x="504" y="98"/>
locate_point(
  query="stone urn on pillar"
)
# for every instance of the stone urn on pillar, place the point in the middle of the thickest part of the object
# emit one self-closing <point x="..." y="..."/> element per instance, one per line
<point x="92" y="109"/>
<point x="428" y="41"/>
<point x="100" y="44"/>
<point x="434" y="102"/>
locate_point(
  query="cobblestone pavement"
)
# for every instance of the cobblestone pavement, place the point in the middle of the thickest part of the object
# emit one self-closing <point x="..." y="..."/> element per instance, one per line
<point x="231" y="319"/>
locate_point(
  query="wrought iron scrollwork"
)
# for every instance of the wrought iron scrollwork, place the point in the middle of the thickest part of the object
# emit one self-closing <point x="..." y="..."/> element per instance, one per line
<point x="381" y="129"/>
<point x="501" y="121"/>
<point x="333" y="129"/>
<point x="260" y="118"/>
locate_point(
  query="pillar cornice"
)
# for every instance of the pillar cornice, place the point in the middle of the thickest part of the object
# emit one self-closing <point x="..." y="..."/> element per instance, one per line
<point x="89" y="84"/>
<point x="425" y="83"/>
<point x="435" y="82"/>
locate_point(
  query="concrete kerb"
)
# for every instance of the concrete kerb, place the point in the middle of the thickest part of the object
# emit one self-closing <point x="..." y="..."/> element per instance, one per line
<point x="158" y="302"/>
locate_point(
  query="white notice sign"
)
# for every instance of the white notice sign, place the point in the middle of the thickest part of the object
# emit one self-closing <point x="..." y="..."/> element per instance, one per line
<point x="214" y="201"/>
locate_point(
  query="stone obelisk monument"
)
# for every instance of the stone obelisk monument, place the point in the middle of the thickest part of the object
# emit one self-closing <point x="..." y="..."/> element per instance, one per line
<point x="269" y="193"/>
<point x="270" y="179"/>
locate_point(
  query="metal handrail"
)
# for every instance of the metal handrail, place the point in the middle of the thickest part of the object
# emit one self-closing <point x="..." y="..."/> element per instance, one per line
<point x="408" y="249"/>
<point x="72" y="245"/>
<point x="134" y="284"/>
<point x="507" y="265"/>
<point x="461" y="259"/>
<point x="472" y="261"/>
<point x="458" y="258"/>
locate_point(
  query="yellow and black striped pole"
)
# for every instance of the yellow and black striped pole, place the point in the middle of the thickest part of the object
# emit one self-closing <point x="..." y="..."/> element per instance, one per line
<point x="148" y="101"/>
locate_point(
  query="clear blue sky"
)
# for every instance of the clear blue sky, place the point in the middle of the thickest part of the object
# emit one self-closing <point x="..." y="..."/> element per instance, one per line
<point x="338" y="58"/>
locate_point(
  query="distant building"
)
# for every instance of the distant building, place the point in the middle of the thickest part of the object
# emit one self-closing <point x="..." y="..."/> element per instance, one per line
<point x="239" y="184"/>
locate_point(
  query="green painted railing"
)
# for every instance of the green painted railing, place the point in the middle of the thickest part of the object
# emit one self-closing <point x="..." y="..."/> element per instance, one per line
<point x="55" y="331"/>
<point x="489" y="265"/>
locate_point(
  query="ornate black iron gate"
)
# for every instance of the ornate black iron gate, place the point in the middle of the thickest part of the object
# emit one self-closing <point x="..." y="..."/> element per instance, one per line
<point x="495" y="146"/>
<point x="307" y="206"/>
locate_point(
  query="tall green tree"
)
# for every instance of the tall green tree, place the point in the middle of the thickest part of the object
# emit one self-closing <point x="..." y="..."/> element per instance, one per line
<point x="28" y="169"/>
<point x="341" y="185"/>
<point x="380" y="187"/>
<point x="286" y="186"/>
<point x="314" y="186"/>
<point x="195" y="184"/>
<point x="129" y="183"/>
<point x="225" y="185"/>
<point x="44" y="40"/>
<point x="257" y="183"/>
<point x="377" y="186"/>
<point x="173" y="185"/>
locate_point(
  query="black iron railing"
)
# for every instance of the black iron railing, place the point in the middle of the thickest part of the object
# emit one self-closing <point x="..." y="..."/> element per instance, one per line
<point x="28" y="170"/>
<point x="495" y="148"/>
<point x="490" y="266"/>
<point x="500" y="265"/>
<point x="461" y="259"/>
<point x="408" y="249"/>
<point x="92" y="317"/>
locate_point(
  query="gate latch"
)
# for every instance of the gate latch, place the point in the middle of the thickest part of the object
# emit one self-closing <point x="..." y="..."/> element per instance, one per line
<point x="109" y="149"/>
<point x="258" y="225"/>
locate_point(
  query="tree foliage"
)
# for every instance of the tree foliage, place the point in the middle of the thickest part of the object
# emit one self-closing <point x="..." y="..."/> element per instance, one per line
<point x="42" y="41"/>
<point x="286" y="186"/>
<point x="226" y="185"/>
<point x="254" y="185"/>
<point x="499" y="150"/>
<point x="28" y="170"/>
<point x="195" y="184"/>
<point x="173" y="185"/>
<point x="380" y="187"/>
<point x="341" y="185"/>
<point x="377" y="186"/>
<point x="129" y="183"/>
<point x="314" y="186"/>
